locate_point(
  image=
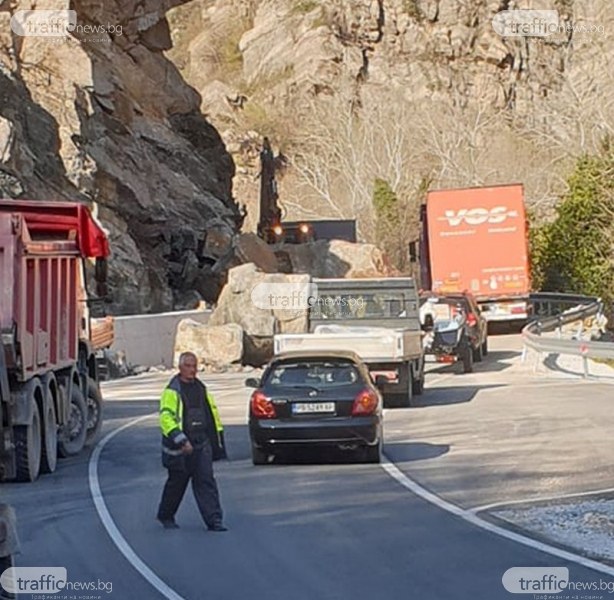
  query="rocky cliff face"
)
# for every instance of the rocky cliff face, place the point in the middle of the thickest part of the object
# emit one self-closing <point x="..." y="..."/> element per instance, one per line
<point x="414" y="91"/>
<point x="105" y="118"/>
<point x="153" y="111"/>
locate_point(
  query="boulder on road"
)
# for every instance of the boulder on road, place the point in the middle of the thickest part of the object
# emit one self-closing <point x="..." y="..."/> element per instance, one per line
<point x="215" y="346"/>
<point x="259" y="322"/>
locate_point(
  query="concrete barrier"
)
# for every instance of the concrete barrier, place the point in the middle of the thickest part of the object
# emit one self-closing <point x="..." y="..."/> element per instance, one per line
<point x="149" y="340"/>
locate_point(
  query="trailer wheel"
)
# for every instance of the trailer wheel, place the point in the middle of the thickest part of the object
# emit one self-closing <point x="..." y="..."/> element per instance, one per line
<point x="73" y="435"/>
<point x="94" y="411"/>
<point x="28" y="447"/>
<point x="49" y="457"/>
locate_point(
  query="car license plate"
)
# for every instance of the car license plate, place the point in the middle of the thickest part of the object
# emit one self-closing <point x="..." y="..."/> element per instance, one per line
<point x="300" y="408"/>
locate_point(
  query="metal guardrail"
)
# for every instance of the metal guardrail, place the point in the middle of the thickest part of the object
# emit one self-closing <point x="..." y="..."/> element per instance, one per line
<point x="581" y="308"/>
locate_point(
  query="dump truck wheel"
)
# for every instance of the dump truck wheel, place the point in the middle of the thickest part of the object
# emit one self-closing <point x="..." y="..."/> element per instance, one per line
<point x="28" y="442"/>
<point x="94" y="411"/>
<point x="49" y="457"/>
<point x="73" y="435"/>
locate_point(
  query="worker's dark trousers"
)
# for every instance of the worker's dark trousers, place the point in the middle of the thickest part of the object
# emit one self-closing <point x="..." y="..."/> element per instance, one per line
<point x="198" y="467"/>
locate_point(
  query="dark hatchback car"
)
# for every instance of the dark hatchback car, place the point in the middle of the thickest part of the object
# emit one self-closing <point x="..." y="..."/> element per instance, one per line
<point x="315" y="399"/>
<point x="456" y="328"/>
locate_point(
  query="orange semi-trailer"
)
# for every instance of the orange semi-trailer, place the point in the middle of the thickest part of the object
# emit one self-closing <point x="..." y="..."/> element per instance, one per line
<point x="475" y="239"/>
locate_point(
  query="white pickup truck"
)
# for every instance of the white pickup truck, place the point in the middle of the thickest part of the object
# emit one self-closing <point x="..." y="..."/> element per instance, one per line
<point x="376" y="318"/>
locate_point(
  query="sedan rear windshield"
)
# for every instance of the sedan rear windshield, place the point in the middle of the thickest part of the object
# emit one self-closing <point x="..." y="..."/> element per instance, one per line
<point x="312" y="374"/>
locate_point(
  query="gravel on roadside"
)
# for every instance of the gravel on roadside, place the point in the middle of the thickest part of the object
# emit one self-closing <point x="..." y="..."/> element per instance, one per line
<point x="586" y="525"/>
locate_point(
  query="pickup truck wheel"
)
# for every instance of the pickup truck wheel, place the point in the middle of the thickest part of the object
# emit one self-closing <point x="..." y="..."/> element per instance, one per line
<point x="417" y="386"/>
<point x="49" y="457"/>
<point x="94" y="411"/>
<point x="28" y="442"/>
<point x="72" y="439"/>
<point x="259" y="456"/>
<point x="401" y="400"/>
<point x="467" y="359"/>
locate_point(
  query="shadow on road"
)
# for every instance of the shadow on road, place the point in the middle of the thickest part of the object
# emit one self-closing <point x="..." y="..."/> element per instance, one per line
<point x="443" y="396"/>
<point x="413" y="451"/>
<point x="495" y="362"/>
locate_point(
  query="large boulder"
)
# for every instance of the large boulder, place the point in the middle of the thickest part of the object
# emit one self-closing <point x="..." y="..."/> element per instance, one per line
<point x="249" y="248"/>
<point x="216" y="346"/>
<point x="237" y="304"/>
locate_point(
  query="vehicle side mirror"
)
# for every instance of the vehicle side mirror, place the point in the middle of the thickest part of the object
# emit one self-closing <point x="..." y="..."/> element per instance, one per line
<point x="381" y="381"/>
<point x="429" y="323"/>
<point x="252" y="382"/>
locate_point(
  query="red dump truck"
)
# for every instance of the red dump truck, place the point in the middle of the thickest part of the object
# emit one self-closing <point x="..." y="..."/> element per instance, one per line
<point x="50" y="400"/>
<point x="475" y="240"/>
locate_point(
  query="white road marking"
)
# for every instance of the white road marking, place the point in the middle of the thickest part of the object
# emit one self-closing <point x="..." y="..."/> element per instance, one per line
<point x="472" y="518"/>
<point x="105" y="516"/>
<point x="468" y="515"/>
<point x="107" y="520"/>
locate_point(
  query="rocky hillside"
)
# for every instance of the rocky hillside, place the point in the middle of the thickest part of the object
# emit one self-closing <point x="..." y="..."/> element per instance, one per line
<point x="153" y="112"/>
<point x="107" y="119"/>
<point x="413" y="91"/>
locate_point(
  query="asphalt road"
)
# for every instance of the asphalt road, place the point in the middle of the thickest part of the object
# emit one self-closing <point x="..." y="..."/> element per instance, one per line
<point x="323" y="528"/>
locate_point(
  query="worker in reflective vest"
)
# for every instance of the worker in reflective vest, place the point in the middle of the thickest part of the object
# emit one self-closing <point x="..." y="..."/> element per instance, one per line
<point x="192" y="438"/>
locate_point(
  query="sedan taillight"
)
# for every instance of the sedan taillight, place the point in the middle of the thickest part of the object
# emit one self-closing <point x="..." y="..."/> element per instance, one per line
<point x="261" y="407"/>
<point x="472" y="320"/>
<point x="365" y="403"/>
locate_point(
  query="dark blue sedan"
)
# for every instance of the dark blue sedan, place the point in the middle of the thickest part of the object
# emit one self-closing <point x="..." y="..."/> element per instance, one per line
<point x="307" y="399"/>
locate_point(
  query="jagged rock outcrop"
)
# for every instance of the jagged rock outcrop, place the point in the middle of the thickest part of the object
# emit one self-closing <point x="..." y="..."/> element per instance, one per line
<point x="107" y="119"/>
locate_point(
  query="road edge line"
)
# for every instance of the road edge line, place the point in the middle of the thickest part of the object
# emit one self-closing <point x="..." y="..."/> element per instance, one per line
<point x="414" y="487"/>
<point x="109" y="524"/>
